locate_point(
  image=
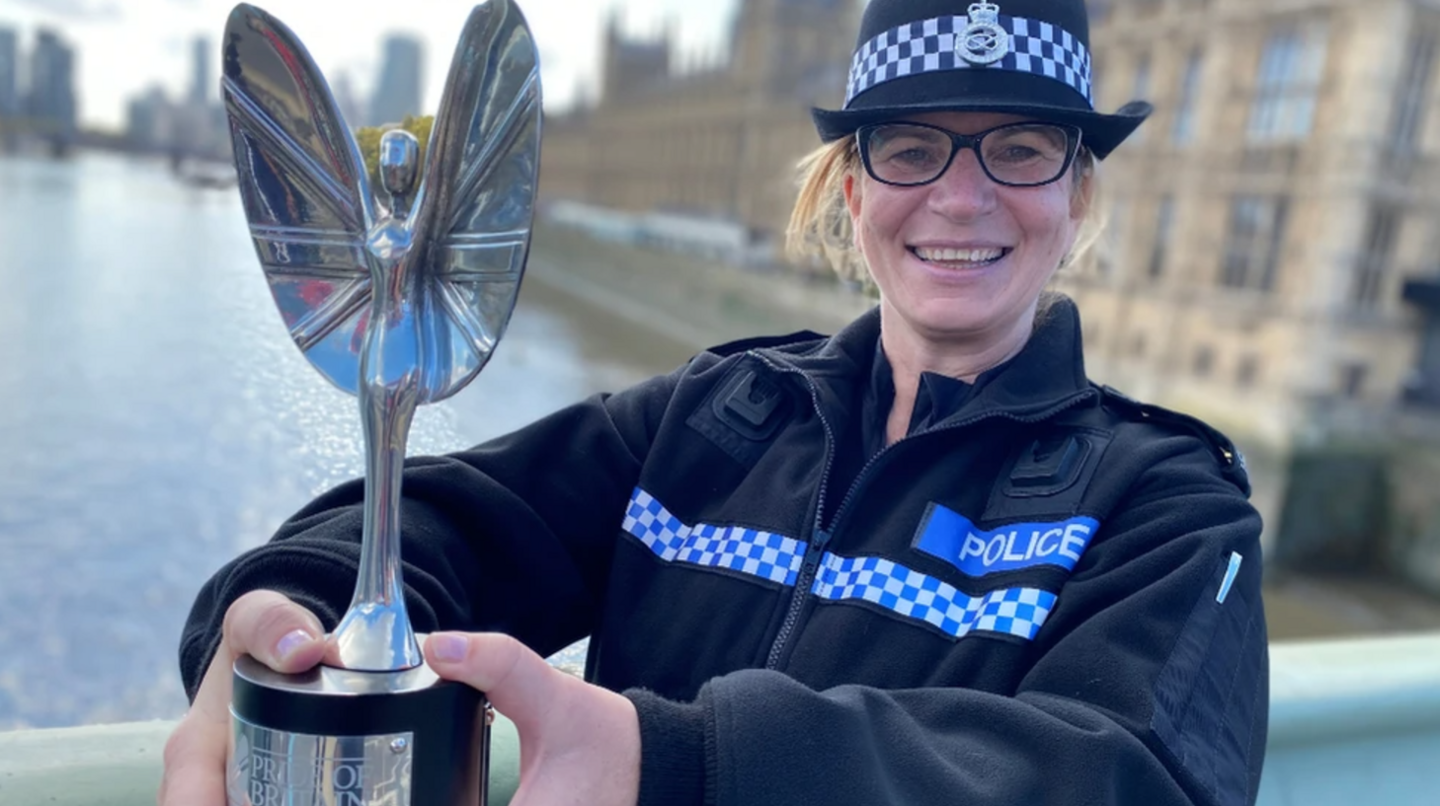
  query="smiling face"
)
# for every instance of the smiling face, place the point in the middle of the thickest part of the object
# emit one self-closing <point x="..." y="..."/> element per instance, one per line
<point x="963" y="259"/>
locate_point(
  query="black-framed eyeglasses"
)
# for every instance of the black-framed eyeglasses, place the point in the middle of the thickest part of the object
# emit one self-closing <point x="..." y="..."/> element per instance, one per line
<point x="1016" y="154"/>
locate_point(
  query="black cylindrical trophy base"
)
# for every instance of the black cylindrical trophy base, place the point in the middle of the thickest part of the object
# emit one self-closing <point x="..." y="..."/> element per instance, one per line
<point x="333" y="737"/>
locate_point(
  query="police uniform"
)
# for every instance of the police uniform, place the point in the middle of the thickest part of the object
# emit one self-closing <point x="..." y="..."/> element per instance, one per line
<point x="1045" y="593"/>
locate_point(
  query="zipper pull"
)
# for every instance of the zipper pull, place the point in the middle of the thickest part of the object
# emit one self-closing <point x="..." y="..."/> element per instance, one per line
<point x="812" y="556"/>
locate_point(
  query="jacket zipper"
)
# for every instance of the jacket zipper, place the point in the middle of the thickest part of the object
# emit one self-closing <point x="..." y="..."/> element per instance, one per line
<point x="815" y="548"/>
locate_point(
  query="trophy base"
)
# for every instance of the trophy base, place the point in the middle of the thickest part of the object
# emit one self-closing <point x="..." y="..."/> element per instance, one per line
<point x="335" y="737"/>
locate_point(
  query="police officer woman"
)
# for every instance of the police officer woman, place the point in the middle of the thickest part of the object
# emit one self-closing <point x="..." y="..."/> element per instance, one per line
<point x="924" y="560"/>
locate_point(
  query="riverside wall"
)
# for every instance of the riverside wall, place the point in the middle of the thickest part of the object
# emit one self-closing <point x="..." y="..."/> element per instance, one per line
<point x="1369" y="507"/>
<point x="690" y="300"/>
<point x="1414" y="534"/>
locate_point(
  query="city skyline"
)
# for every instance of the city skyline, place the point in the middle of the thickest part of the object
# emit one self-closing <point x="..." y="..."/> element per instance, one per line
<point x="122" y="52"/>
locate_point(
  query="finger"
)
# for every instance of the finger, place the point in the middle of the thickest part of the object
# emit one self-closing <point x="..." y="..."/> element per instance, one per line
<point x="275" y="631"/>
<point x="194" y="765"/>
<point x="518" y="682"/>
<point x="194" y="759"/>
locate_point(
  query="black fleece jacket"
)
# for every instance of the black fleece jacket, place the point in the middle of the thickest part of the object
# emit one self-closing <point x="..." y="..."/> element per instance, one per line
<point x="1050" y="595"/>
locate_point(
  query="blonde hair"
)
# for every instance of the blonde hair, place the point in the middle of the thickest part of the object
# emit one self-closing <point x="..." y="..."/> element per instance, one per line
<point x="819" y="228"/>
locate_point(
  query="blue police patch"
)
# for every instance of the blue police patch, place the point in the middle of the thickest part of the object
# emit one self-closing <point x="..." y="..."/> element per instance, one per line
<point x="952" y="537"/>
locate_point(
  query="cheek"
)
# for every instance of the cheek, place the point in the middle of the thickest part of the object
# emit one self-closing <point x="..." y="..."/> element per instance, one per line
<point x="1052" y="223"/>
<point x="876" y="218"/>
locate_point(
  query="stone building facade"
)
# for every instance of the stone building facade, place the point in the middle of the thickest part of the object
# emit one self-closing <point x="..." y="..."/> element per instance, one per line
<point x="719" y="141"/>
<point x="1273" y="256"/>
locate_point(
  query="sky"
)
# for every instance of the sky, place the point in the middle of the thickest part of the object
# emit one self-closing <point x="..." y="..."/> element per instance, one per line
<point x="124" y="47"/>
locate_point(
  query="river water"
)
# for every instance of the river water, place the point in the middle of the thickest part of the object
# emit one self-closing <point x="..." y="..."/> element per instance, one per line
<point x="155" y="420"/>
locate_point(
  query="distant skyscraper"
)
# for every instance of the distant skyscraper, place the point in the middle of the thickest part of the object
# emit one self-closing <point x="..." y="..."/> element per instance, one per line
<point x="202" y="91"/>
<point x="345" y="99"/>
<point x="149" y="120"/>
<point x="52" y="82"/>
<point x="9" y="86"/>
<point x="398" y="92"/>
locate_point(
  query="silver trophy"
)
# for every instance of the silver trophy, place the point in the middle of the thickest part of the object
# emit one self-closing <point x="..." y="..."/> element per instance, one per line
<point x="399" y="299"/>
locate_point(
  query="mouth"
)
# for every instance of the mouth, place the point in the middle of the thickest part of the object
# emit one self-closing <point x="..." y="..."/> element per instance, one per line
<point x="960" y="258"/>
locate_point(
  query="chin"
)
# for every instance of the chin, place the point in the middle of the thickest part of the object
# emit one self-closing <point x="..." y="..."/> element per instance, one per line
<point x="962" y="318"/>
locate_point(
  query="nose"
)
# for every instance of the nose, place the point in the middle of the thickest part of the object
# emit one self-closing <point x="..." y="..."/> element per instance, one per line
<point x="964" y="191"/>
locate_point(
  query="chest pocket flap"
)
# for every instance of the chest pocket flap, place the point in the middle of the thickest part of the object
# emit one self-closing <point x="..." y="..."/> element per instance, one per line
<point x="1050" y="475"/>
<point x="744" y="413"/>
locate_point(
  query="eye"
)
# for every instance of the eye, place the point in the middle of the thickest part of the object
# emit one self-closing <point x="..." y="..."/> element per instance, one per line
<point x="907" y="151"/>
<point x="1014" y="153"/>
<point x="914" y="156"/>
<point x="906" y="154"/>
<point x="1019" y="145"/>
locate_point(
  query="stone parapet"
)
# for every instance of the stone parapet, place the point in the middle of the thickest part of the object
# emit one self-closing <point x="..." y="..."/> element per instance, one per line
<point x="1354" y="721"/>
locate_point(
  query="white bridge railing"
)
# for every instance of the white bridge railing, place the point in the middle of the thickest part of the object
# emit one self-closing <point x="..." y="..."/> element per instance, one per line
<point x="1354" y="722"/>
<point x="1351" y="722"/>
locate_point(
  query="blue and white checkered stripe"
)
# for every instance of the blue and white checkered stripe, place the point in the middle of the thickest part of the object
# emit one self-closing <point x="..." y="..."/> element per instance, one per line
<point x="1012" y="611"/>
<point x="761" y="554"/>
<point x="923" y="47"/>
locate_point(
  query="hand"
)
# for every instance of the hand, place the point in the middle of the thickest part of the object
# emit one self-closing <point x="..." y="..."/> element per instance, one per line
<point x="578" y="743"/>
<point x="278" y="633"/>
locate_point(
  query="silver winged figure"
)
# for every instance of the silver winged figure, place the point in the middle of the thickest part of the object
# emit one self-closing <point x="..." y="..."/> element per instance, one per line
<point x="398" y="297"/>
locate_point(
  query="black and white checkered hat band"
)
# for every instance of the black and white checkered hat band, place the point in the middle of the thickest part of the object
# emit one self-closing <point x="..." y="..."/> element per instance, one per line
<point x="924" y="47"/>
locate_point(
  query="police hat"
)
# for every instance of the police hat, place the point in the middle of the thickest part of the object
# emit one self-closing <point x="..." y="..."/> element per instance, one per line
<point x="1023" y="57"/>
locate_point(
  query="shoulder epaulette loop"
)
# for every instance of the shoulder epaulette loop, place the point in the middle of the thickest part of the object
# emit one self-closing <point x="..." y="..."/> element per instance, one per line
<point x="762" y="342"/>
<point x="1232" y="461"/>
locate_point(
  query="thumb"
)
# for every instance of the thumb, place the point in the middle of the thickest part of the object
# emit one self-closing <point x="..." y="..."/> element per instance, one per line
<point x="518" y="682"/>
<point x="574" y="737"/>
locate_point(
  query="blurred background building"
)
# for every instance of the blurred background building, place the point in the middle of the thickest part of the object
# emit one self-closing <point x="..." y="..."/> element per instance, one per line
<point x="148" y="120"/>
<point x="51" y="97"/>
<point x="398" y="92"/>
<point x="191" y="127"/>
<point x="37" y="91"/>
<point x="718" y="138"/>
<point x="9" y="78"/>
<point x="1272" y="253"/>
<point x="202" y="86"/>
<point x="347" y="99"/>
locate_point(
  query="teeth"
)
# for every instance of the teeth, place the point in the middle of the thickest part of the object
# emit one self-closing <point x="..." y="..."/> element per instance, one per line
<point x="959" y="255"/>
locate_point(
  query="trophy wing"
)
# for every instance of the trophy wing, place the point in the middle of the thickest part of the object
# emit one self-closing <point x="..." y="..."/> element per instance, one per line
<point x="477" y="200"/>
<point x="304" y="188"/>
